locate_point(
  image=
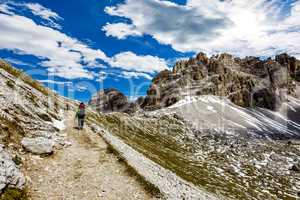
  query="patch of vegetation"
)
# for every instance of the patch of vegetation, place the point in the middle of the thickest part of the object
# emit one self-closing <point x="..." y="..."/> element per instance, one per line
<point x="17" y="160"/>
<point x="32" y="98"/>
<point x="45" y="117"/>
<point x="10" y="132"/>
<point x="14" y="194"/>
<point x="11" y="84"/>
<point x="25" y="78"/>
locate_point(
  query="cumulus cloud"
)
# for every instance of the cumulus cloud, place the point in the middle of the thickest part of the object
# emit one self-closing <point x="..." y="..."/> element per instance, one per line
<point x="55" y="49"/>
<point x="168" y="22"/>
<point x="131" y="61"/>
<point x="254" y="27"/>
<point x="120" y="30"/>
<point x="49" y="17"/>
<point x="63" y="55"/>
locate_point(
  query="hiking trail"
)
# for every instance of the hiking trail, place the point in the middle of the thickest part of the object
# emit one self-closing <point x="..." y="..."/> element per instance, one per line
<point x="85" y="170"/>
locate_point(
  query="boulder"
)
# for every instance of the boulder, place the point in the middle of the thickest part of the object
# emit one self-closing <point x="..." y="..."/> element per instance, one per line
<point x="10" y="174"/>
<point x="38" y="145"/>
<point x="296" y="167"/>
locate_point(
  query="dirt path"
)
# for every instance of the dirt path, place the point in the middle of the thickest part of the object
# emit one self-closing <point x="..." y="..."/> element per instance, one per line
<point x="83" y="171"/>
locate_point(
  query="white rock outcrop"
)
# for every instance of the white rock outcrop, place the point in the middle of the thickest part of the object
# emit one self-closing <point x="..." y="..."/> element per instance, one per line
<point x="38" y="145"/>
<point x="10" y="174"/>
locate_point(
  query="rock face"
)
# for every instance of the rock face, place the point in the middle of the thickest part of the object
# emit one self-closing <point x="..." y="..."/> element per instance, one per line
<point x="39" y="145"/>
<point x="26" y="107"/>
<point x="10" y="175"/>
<point x="246" y="82"/>
<point x="111" y="100"/>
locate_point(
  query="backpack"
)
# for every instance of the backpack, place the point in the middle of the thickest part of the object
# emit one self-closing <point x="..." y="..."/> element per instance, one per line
<point x="82" y="106"/>
<point x="81" y="113"/>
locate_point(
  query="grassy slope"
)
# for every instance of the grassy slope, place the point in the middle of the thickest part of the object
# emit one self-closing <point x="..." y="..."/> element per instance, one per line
<point x="164" y="140"/>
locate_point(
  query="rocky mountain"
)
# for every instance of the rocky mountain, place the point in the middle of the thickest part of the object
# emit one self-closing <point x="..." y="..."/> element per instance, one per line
<point x="111" y="100"/>
<point x="248" y="82"/>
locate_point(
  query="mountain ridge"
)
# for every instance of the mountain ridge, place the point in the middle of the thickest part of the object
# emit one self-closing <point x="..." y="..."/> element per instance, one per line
<point x="247" y="82"/>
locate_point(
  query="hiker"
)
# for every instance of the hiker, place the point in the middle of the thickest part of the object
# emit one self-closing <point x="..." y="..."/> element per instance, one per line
<point x="67" y="106"/>
<point x="80" y="114"/>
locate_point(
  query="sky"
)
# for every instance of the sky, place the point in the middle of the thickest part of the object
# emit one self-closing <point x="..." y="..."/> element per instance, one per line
<point x="78" y="47"/>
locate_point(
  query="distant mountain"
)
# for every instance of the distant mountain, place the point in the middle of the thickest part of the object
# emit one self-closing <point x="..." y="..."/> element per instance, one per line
<point x="112" y="100"/>
<point x="248" y="82"/>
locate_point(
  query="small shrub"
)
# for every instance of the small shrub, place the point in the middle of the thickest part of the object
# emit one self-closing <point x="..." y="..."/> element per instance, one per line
<point x="17" y="160"/>
<point x="10" y="83"/>
<point x="45" y="117"/>
<point x="14" y="194"/>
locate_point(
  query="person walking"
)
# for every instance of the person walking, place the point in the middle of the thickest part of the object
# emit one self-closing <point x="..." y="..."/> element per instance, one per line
<point x="80" y="115"/>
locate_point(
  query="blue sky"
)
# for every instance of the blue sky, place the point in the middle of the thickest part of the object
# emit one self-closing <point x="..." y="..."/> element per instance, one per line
<point x="77" y="47"/>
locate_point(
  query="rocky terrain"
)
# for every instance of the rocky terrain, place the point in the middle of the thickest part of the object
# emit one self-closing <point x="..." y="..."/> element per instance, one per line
<point x="42" y="155"/>
<point x="226" y="125"/>
<point x="31" y="121"/>
<point x="248" y="82"/>
<point x="225" y="149"/>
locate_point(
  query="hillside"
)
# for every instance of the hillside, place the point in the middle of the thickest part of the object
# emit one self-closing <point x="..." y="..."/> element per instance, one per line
<point x="42" y="155"/>
<point x="226" y="126"/>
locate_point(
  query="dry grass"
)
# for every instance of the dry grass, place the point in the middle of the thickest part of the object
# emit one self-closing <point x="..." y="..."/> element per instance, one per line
<point x="27" y="79"/>
<point x="14" y="194"/>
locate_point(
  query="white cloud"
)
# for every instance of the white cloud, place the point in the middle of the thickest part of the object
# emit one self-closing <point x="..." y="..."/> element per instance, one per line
<point x="120" y="30"/>
<point x="70" y="72"/>
<point x="56" y="82"/>
<point x="130" y="61"/>
<point x="41" y="11"/>
<point x="55" y="49"/>
<point x="136" y="75"/>
<point x="63" y="55"/>
<point x="45" y="14"/>
<point x="4" y="8"/>
<point x="50" y="18"/>
<point x="81" y="88"/>
<point x="254" y="27"/>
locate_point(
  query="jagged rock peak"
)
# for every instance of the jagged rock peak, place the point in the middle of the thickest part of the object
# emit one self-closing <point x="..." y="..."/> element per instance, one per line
<point x="248" y="81"/>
